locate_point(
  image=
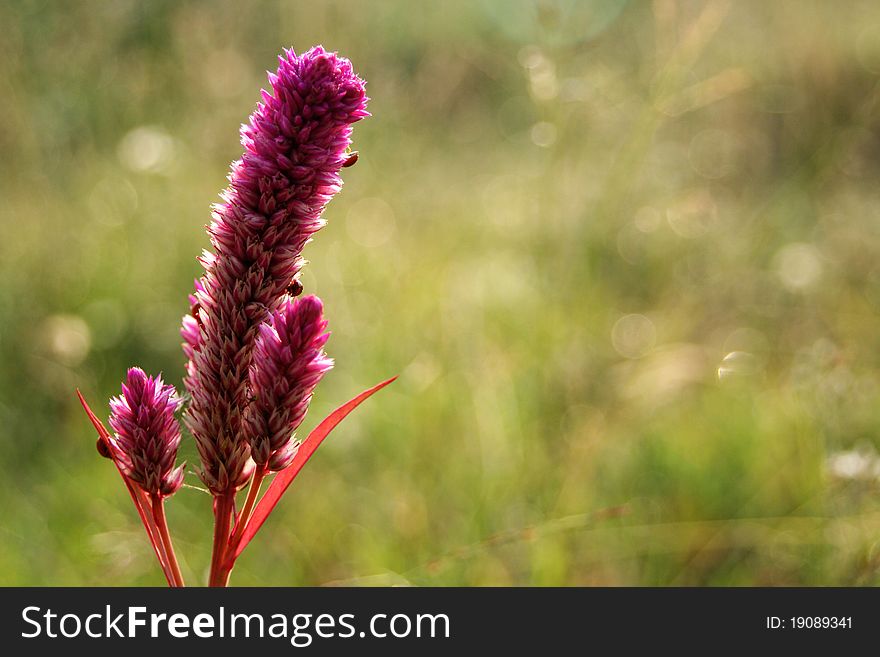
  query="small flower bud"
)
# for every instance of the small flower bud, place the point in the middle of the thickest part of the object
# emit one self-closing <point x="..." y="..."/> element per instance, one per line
<point x="289" y="361"/>
<point x="147" y="433"/>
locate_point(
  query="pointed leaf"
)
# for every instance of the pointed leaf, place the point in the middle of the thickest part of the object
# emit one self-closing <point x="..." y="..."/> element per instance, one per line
<point x="99" y="426"/>
<point x="284" y="478"/>
<point x="138" y="496"/>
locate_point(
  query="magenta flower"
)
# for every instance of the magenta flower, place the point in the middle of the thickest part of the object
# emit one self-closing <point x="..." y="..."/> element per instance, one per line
<point x="295" y="144"/>
<point x="288" y="362"/>
<point x="255" y="352"/>
<point x="147" y="435"/>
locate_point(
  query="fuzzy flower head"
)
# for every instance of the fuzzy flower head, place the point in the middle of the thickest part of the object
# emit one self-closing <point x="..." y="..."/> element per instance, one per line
<point x="147" y="434"/>
<point x="289" y="360"/>
<point x="295" y="144"/>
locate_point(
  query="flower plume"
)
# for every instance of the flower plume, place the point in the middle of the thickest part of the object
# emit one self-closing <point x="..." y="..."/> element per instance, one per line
<point x="147" y="435"/>
<point x="288" y="362"/>
<point x="254" y="347"/>
<point x="295" y="144"/>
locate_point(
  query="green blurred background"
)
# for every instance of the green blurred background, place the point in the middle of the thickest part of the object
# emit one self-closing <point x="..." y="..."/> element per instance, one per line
<point x="623" y="255"/>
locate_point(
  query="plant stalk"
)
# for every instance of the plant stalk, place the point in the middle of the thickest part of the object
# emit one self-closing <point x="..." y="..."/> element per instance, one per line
<point x="165" y="538"/>
<point x="247" y="509"/>
<point x="222" y="513"/>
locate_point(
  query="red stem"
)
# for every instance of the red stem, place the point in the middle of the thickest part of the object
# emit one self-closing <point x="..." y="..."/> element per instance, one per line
<point x="165" y="537"/>
<point x="222" y="513"/>
<point x="245" y="515"/>
<point x="143" y="506"/>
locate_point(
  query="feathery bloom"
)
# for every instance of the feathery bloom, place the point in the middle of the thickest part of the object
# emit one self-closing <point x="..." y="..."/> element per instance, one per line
<point x="147" y="433"/>
<point x="295" y="145"/>
<point x="288" y="362"/>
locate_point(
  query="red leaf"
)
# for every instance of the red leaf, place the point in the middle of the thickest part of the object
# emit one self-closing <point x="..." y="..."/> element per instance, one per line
<point x="284" y="478"/>
<point x="138" y="496"/>
<point x="99" y="426"/>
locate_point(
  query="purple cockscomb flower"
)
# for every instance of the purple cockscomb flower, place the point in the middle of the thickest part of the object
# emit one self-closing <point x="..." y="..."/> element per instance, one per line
<point x="288" y="362"/>
<point x="295" y="144"/>
<point x="147" y="433"/>
<point x="254" y="350"/>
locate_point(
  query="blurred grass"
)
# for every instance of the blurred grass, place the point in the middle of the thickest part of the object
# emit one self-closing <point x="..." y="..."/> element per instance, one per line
<point x="566" y="217"/>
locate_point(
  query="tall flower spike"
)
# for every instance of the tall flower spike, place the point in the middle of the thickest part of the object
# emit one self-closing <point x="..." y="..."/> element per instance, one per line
<point x="147" y="433"/>
<point x="295" y="145"/>
<point x="288" y="363"/>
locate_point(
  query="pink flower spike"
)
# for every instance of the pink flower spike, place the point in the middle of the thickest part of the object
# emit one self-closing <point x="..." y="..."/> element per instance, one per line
<point x="141" y="500"/>
<point x="295" y="145"/>
<point x="147" y="435"/>
<point x="288" y="362"/>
